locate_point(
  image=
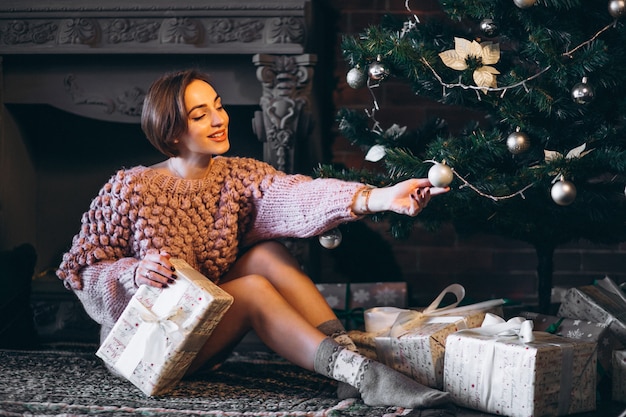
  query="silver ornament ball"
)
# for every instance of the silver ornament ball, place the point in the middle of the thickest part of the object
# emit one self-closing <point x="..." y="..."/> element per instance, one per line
<point x="378" y="71"/>
<point x="518" y="142"/>
<point x="563" y="192"/>
<point x="523" y="4"/>
<point x="489" y="27"/>
<point x="330" y="239"/>
<point x="440" y="175"/>
<point x="583" y="92"/>
<point x="617" y="8"/>
<point x="356" y="78"/>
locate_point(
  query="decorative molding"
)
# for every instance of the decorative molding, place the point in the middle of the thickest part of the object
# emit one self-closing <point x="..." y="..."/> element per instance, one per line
<point x="284" y="119"/>
<point x="129" y="103"/>
<point x="120" y="35"/>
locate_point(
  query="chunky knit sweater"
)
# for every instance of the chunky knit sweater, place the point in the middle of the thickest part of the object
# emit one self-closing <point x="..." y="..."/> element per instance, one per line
<point x="205" y="221"/>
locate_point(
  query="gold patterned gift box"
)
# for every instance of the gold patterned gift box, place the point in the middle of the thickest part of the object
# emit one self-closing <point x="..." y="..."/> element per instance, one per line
<point x="507" y="369"/>
<point x="413" y="342"/>
<point x="598" y="333"/>
<point x="161" y="330"/>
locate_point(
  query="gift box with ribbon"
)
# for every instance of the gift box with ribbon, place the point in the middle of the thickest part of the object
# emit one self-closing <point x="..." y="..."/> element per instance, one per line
<point x="413" y="342"/>
<point x="507" y="369"/>
<point x="599" y="333"/>
<point x="161" y="330"/>
<point x="603" y="302"/>
<point x="350" y="300"/>
<point x="619" y="376"/>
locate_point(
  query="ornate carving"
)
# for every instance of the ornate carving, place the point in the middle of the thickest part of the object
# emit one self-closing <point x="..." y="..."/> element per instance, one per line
<point x="18" y="32"/>
<point x="234" y="30"/>
<point x="285" y="30"/>
<point x="127" y="30"/>
<point x="79" y="31"/>
<point x="283" y="118"/>
<point x="182" y="31"/>
<point x="129" y="103"/>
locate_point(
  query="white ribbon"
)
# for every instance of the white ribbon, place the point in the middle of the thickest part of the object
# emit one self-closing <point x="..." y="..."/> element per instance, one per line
<point x="157" y="332"/>
<point x="393" y="320"/>
<point x="517" y="328"/>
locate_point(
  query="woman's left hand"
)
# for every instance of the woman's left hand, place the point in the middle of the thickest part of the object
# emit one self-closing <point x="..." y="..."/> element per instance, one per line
<point x="407" y="197"/>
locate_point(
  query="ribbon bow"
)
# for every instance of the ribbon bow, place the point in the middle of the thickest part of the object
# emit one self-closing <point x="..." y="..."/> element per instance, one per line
<point x="515" y="328"/>
<point x="161" y="332"/>
<point x="394" y="320"/>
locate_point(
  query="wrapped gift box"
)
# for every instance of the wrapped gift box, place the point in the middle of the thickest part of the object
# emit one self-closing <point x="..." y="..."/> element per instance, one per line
<point x="413" y="341"/>
<point x="350" y="300"/>
<point x="417" y="347"/>
<point x="161" y="330"/>
<point x="494" y="370"/>
<point x="603" y="302"/>
<point x="619" y="376"/>
<point x="599" y="333"/>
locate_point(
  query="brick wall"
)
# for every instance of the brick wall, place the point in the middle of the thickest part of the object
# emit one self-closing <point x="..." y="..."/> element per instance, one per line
<point x="487" y="266"/>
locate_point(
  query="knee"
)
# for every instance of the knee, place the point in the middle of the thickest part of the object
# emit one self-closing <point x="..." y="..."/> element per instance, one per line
<point x="252" y="286"/>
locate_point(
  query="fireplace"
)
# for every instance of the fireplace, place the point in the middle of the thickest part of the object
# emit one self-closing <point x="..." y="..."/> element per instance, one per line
<point x="73" y="76"/>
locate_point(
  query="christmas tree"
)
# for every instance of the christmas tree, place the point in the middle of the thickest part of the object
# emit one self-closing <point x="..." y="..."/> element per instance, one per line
<point x="544" y="162"/>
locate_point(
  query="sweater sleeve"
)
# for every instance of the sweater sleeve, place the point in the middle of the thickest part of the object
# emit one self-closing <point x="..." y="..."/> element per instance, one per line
<point x="105" y="233"/>
<point x="302" y="207"/>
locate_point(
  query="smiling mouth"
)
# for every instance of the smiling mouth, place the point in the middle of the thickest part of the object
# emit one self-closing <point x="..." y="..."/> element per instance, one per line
<point x="218" y="137"/>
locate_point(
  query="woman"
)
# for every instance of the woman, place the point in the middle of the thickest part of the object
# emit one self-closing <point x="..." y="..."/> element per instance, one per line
<point x="220" y="215"/>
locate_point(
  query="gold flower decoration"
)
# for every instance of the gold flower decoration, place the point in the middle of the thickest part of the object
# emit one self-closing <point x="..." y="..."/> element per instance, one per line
<point x="486" y="53"/>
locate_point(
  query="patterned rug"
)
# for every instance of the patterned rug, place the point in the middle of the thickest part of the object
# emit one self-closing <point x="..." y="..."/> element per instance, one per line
<point x="75" y="383"/>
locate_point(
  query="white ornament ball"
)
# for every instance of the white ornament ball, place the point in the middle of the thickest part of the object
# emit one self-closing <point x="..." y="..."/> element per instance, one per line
<point x="356" y="78"/>
<point x="523" y="4"/>
<point x="563" y="193"/>
<point x="518" y="142"/>
<point x="440" y="175"/>
<point x="617" y="8"/>
<point x="330" y="239"/>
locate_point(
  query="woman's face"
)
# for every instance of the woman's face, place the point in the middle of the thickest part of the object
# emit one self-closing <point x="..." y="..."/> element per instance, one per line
<point x="207" y="123"/>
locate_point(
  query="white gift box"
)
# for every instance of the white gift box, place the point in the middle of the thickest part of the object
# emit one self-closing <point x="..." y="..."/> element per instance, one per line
<point x="500" y="369"/>
<point x="414" y="342"/>
<point x="161" y="330"/>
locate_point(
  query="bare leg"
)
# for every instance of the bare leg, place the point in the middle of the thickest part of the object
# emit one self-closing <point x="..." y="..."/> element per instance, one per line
<point x="273" y="261"/>
<point x="259" y="306"/>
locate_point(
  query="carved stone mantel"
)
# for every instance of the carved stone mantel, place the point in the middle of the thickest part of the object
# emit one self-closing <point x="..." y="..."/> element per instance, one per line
<point x="157" y="26"/>
<point x="98" y="58"/>
<point x="132" y="42"/>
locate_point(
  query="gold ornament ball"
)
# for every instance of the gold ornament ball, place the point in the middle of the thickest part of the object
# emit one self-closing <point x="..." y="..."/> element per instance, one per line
<point x="523" y="4"/>
<point x="563" y="193"/>
<point x="440" y="175"/>
<point x="330" y="239"/>
<point x="617" y="8"/>
<point x="518" y="142"/>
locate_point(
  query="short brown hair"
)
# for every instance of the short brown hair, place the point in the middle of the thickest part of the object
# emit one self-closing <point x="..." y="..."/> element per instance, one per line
<point x="164" y="116"/>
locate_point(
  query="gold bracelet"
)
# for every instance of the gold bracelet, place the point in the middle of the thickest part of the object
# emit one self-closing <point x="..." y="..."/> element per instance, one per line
<point x="366" y="193"/>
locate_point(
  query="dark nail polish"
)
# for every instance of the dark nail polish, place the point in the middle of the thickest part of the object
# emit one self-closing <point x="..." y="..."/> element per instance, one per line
<point x="174" y="276"/>
<point x="170" y="281"/>
<point x="172" y="268"/>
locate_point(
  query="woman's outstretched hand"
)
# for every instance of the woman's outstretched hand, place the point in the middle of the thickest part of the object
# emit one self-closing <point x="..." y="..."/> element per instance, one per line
<point x="408" y="197"/>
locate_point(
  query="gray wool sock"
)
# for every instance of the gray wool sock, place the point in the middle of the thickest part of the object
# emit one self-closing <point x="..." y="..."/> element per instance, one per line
<point x="335" y="330"/>
<point x="378" y="384"/>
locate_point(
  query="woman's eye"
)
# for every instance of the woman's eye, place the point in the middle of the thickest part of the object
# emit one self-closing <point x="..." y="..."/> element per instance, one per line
<point x="196" y="118"/>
